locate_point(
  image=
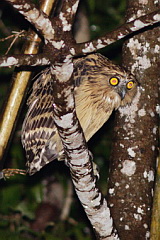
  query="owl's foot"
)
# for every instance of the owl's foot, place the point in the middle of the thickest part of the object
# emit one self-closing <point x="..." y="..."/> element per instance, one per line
<point x="8" y="172"/>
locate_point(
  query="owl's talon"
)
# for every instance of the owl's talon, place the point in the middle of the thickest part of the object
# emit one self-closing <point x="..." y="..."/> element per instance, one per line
<point x="8" y="172"/>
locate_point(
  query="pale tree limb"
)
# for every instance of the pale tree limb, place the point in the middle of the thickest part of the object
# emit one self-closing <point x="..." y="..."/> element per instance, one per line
<point x="19" y="86"/>
<point x="107" y="39"/>
<point x="77" y="154"/>
<point x="35" y="16"/>
<point x="120" y="33"/>
<point x="24" y="60"/>
<point x="68" y="11"/>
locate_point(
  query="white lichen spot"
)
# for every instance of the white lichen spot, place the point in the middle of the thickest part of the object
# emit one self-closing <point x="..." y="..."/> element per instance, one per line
<point x="126" y="227"/>
<point x="137" y="216"/>
<point x="17" y="6"/>
<point x="157" y="49"/>
<point x="133" y="45"/>
<point x="108" y="41"/>
<point x="140" y="210"/>
<point x="117" y="184"/>
<point x="121" y="219"/>
<point x="66" y="120"/>
<point x="127" y="186"/>
<point x="142" y="62"/>
<point x="157" y="17"/>
<point x="64" y="72"/>
<point x="72" y="51"/>
<point x="143" y="2"/>
<point x="128" y="167"/>
<point x="121" y="35"/>
<point x="158" y="109"/>
<point x="66" y="25"/>
<point x="129" y="111"/>
<point x="147" y="235"/>
<point x="139" y="24"/>
<point x="67" y="58"/>
<point x="111" y="205"/>
<point x="33" y="14"/>
<point x="142" y="112"/>
<point x="58" y="44"/>
<point x="131" y="152"/>
<point x="149" y="175"/>
<point x="145" y="225"/>
<point x="152" y="114"/>
<point x="44" y="61"/>
<point x="100" y="44"/>
<point x="11" y="61"/>
<point x="155" y="130"/>
<point x="74" y="7"/>
<point x="152" y="192"/>
<point x="26" y="6"/>
<point x="121" y="145"/>
<point x="111" y="190"/>
<point x="88" y="48"/>
<point x="153" y="148"/>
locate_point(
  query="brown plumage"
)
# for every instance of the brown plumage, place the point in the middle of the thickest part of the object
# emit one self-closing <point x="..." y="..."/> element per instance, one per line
<point x="100" y="87"/>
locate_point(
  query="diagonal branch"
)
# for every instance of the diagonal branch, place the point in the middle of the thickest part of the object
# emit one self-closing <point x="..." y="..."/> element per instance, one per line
<point x="77" y="154"/>
<point x="119" y="33"/>
<point x="67" y="14"/>
<point x="35" y="16"/>
<point x="24" y="60"/>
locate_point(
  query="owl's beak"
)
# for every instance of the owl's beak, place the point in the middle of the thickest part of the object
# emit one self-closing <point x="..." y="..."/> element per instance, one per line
<point x="122" y="92"/>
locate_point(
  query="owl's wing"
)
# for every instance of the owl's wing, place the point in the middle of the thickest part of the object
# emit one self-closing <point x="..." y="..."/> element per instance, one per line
<point x="39" y="134"/>
<point x="80" y="72"/>
<point x="38" y="127"/>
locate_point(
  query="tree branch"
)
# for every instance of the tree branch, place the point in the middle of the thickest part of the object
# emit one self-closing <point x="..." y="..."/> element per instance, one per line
<point x="67" y="14"/>
<point x="44" y="25"/>
<point x="35" y="16"/>
<point x="119" y="33"/>
<point x="77" y="154"/>
<point x="71" y="134"/>
<point x="24" y="60"/>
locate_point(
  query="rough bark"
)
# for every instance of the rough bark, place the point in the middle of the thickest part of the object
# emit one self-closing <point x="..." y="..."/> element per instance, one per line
<point x="135" y="144"/>
<point x="60" y="47"/>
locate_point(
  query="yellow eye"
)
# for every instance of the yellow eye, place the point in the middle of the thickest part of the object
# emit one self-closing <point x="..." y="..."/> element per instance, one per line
<point x="130" y="84"/>
<point x="114" y="81"/>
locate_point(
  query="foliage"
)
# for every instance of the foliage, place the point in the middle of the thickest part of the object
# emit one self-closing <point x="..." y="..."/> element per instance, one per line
<point x="20" y="196"/>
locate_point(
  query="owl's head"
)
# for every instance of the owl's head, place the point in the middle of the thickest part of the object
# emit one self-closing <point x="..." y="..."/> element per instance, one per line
<point x="123" y="84"/>
<point x="109" y="81"/>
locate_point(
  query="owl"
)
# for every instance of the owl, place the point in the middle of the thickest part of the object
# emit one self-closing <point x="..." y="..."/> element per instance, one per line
<point x="99" y="87"/>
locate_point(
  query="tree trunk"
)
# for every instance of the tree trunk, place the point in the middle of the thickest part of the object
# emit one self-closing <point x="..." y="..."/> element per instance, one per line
<point x="135" y="144"/>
